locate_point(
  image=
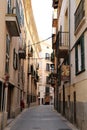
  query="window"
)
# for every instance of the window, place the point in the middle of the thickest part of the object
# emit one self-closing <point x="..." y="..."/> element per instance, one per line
<point x="47" y="79"/>
<point x="52" y="67"/>
<point x="79" y="14"/>
<point x="47" y="90"/>
<point x="9" y="10"/>
<point x="7" y="53"/>
<point x="38" y="94"/>
<point x="21" y="14"/>
<point x="14" y="59"/>
<point x="47" y="56"/>
<point x="79" y="55"/>
<point x="47" y="67"/>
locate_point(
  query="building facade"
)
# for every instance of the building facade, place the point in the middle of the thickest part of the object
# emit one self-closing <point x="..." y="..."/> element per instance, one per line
<point x="18" y="34"/>
<point x="70" y="52"/>
<point x="45" y="90"/>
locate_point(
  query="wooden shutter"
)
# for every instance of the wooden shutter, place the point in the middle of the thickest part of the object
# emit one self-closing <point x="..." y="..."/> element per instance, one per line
<point x="76" y="58"/>
<point x="14" y="59"/>
<point x="82" y="54"/>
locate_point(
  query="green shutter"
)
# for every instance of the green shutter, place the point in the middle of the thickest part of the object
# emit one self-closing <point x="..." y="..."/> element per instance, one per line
<point x="14" y="58"/>
<point x="7" y="54"/>
<point x="76" y="58"/>
<point x="82" y="53"/>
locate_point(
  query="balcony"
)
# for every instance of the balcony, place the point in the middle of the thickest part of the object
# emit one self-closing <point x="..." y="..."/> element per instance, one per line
<point x="54" y="74"/>
<point x="79" y="14"/>
<point x="13" y="20"/>
<point x="53" y="71"/>
<point x="53" y="41"/>
<point x="22" y="54"/>
<point x="52" y="81"/>
<point x="62" y="44"/>
<point x="55" y="4"/>
<point x="54" y="28"/>
<point x="36" y="77"/>
<point x="54" y="23"/>
<point x="30" y="52"/>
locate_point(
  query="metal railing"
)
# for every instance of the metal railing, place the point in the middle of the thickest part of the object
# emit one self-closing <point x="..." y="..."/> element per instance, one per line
<point x="55" y="3"/>
<point x="14" y="10"/>
<point x="62" y="39"/>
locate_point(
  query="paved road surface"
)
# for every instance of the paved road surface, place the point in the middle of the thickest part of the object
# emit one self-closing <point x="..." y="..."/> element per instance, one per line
<point x="40" y="118"/>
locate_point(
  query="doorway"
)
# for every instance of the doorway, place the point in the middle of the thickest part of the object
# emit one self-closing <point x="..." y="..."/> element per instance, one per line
<point x="74" y="95"/>
<point x="63" y="100"/>
<point x="9" y="98"/>
<point x="60" y="102"/>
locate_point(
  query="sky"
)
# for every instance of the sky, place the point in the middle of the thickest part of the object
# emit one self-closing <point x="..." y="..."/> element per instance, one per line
<point x="42" y="10"/>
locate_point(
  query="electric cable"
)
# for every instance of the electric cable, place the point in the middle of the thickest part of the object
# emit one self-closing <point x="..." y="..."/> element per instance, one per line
<point x="41" y="41"/>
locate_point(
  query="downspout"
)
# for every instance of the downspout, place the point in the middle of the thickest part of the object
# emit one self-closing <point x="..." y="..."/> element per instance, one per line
<point x="69" y="56"/>
<point x="69" y="46"/>
<point x="57" y="87"/>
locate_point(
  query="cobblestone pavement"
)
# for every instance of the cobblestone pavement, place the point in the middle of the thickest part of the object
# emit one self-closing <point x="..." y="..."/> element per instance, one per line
<point x="40" y="118"/>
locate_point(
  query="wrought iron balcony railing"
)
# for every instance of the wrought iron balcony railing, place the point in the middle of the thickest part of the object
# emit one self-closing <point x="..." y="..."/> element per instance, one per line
<point x="30" y="51"/>
<point x="52" y="82"/>
<point x="13" y="19"/>
<point x="22" y="52"/>
<point x="63" y="39"/>
<point x="55" y="3"/>
<point x="14" y="10"/>
<point x="62" y="44"/>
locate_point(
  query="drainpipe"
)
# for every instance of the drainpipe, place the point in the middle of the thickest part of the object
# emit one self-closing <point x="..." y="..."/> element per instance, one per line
<point x="63" y="100"/>
<point x="69" y="54"/>
<point x="57" y="87"/>
<point x="69" y="45"/>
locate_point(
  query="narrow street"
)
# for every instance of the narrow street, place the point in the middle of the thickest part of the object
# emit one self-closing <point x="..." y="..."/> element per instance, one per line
<point x="40" y="118"/>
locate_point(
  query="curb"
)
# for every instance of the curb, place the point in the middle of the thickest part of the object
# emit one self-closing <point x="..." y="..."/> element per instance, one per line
<point x="72" y="126"/>
<point x="12" y="121"/>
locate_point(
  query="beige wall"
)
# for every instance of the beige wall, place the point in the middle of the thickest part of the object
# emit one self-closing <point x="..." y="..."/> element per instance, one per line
<point x="2" y="38"/>
<point x="15" y="42"/>
<point x="42" y="70"/>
